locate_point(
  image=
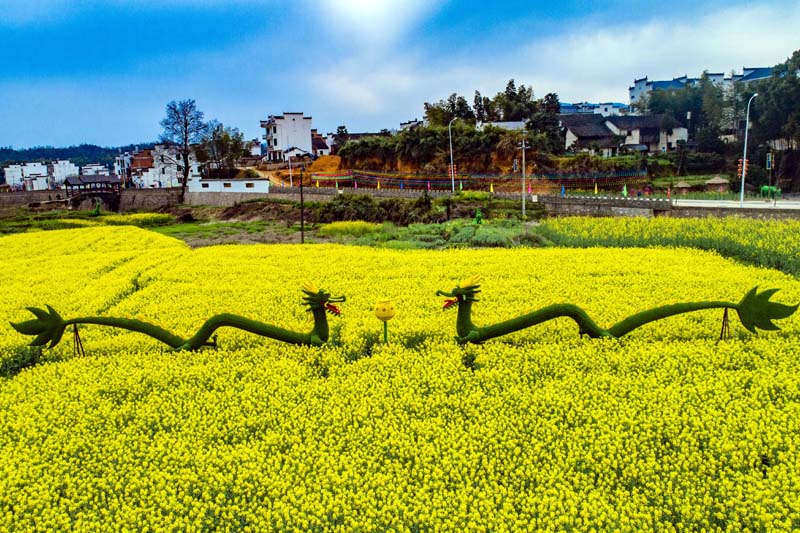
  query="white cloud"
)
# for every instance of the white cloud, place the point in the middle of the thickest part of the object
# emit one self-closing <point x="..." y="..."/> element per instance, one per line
<point x="371" y="22"/>
<point x="587" y="62"/>
<point x="599" y="64"/>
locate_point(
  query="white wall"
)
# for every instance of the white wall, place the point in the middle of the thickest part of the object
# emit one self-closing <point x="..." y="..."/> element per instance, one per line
<point x="294" y="130"/>
<point x="37" y="183"/>
<point x="290" y="130"/>
<point x="34" y="169"/>
<point x="166" y="168"/>
<point x="94" y="169"/>
<point x="62" y="169"/>
<point x="570" y="140"/>
<point x="14" y="176"/>
<point x="254" y="185"/>
<point x="678" y="134"/>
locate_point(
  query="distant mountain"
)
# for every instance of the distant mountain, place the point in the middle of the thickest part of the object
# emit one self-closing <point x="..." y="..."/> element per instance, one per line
<point x="80" y="155"/>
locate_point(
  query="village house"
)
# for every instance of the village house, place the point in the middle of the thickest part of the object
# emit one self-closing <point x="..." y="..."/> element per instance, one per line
<point x="319" y="144"/>
<point x="36" y="176"/>
<point x="642" y="86"/>
<point x="237" y="185"/>
<point x="158" y="167"/>
<point x="606" y="136"/>
<point x="287" y="135"/>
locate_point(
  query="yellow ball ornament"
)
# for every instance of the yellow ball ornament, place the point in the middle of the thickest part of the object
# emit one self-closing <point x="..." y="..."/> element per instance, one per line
<point x="385" y="310"/>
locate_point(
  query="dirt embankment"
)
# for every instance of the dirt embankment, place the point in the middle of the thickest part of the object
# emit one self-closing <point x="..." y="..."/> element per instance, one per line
<point x="262" y="211"/>
<point x="326" y="163"/>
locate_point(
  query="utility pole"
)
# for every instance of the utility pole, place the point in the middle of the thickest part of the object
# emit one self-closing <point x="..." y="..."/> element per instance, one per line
<point x="302" y="208"/>
<point x="524" y="146"/>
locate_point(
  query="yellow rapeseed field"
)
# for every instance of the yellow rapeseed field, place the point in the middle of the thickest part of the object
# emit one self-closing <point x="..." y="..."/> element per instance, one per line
<point x="662" y="430"/>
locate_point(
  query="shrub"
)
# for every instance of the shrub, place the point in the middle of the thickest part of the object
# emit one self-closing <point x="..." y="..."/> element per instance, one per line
<point x="352" y="228"/>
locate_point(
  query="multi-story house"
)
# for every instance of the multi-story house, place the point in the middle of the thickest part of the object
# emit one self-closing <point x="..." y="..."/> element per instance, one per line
<point x="36" y="176"/>
<point x="287" y="135"/>
<point x="641" y="87"/>
<point x="94" y="169"/>
<point x="60" y="170"/>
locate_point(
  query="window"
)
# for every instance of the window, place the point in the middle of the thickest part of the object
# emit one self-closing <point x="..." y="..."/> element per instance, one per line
<point x="249" y="185"/>
<point x="163" y="170"/>
<point x="274" y="129"/>
<point x="226" y="185"/>
<point x="205" y="185"/>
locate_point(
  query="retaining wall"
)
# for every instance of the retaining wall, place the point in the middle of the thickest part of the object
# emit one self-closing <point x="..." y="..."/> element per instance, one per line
<point x="23" y="198"/>
<point x="310" y="194"/>
<point x="148" y="199"/>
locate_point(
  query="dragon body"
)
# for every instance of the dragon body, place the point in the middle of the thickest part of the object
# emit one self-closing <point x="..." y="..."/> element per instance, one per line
<point x="48" y="326"/>
<point x="755" y="311"/>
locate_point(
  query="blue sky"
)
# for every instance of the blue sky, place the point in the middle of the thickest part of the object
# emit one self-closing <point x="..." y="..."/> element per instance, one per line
<point x="102" y="71"/>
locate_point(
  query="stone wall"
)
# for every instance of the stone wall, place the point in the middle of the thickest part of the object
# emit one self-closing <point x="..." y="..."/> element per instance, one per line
<point x="310" y="194"/>
<point x="148" y="199"/>
<point x="23" y="198"/>
<point x="748" y="212"/>
<point x="603" y="207"/>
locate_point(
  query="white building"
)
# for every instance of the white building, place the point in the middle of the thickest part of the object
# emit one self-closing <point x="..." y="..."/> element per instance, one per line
<point x="61" y="170"/>
<point x="605" y="136"/>
<point x="37" y="183"/>
<point x="32" y="176"/>
<point x="290" y="132"/>
<point x="94" y="169"/>
<point x="160" y="166"/>
<point x="14" y="176"/>
<point x="247" y="185"/>
<point x="254" y="147"/>
<point x="641" y="87"/>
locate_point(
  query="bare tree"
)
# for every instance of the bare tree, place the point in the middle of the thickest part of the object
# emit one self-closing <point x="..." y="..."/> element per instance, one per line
<point x="183" y="126"/>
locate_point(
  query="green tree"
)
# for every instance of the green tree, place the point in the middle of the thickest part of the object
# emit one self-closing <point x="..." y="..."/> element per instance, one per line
<point x="220" y="149"/>
<point x="442" y="112"/>
<point x="776" y="110"/>
<point x="545" y="124"/>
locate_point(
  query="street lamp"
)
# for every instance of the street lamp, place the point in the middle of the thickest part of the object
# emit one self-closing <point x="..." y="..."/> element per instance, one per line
<point x="744" y="156"/>
<point x="452" y="168"/>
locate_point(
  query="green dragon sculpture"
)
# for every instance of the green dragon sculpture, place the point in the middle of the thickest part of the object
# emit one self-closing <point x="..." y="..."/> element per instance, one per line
<point x="755" y="311"/>
<point x="48" y="326"/>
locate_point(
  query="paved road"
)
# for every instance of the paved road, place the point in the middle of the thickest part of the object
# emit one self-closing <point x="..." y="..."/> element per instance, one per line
<point x="748" y="204"/>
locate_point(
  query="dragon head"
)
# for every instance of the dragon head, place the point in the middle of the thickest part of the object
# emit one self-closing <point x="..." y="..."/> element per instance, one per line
<point x="464" y="291"/>
<point x="316" y="298"/>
